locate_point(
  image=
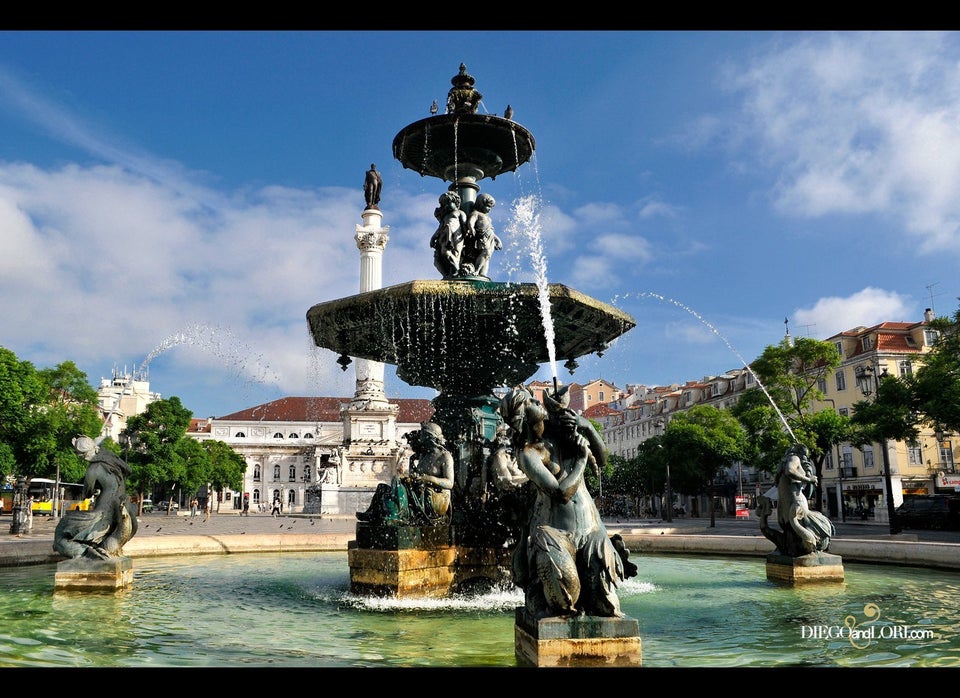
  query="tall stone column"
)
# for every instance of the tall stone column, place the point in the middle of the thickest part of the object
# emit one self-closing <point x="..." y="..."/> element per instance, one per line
<point x="371" y="240"/>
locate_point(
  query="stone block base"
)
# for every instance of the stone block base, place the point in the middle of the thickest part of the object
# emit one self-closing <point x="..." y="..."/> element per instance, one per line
<point x="378" y="536"/>
<point x="581" y="641"/>
<point x="812" y="568"/>
<point x="82" y="574"/>
<point x="483" y="565"/>
<point x="401" y="573"/>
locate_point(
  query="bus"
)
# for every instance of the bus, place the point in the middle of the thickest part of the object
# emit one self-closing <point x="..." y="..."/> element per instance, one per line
<point x="42" y="491"/>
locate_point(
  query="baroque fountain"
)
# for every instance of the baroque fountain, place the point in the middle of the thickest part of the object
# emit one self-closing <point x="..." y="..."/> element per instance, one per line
<point x="470" y="337"/>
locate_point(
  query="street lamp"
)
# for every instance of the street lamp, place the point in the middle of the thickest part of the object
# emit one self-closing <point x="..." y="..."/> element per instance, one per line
<point x="659" y="426"/>
<point x="867" y="382"/>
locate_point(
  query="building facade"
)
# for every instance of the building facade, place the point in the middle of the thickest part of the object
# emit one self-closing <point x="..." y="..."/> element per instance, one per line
<point x="295" y="448"/>
<point x="853" y="479"/>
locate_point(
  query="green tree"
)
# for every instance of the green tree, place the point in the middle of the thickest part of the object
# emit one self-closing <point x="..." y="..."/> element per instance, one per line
<point x="226" y="466"/>
<point x="790" y="373"/>
<point x="935" y="386"/>
<point x="632" y="478"/>
<point x="701" y="443"/>
<point x="40" y="414"/>
<point x="152" y="442"/>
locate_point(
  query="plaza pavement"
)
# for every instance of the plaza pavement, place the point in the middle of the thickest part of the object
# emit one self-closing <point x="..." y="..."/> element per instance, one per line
<point x="229" y="532"/>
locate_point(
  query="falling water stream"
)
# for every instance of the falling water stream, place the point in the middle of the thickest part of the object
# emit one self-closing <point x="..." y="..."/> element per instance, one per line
<point x="525" y="223"/>
<point x="218" y="341"/>
<point x="716" y="332"/>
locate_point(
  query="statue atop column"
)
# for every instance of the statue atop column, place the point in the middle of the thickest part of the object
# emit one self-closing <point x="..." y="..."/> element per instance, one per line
<point x="372" y="184"/>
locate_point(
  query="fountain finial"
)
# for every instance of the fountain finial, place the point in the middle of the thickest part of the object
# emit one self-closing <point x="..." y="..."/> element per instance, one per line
<point x="463" y="98"/>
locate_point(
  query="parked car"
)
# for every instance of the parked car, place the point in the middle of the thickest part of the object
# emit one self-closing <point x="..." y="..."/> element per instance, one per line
<point x="147" y="506"/>
<point x="929" y="511"/>
<point x="167" y="506"/>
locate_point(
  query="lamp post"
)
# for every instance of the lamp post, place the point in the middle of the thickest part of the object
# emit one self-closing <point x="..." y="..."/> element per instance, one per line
<point x="659" y="426"/>
<point x="868" y="381"/>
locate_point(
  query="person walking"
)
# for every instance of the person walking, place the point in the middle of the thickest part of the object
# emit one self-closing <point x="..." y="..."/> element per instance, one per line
<point x="193" y="507"/>
<point x="246" y="507"/>
<point x="275" y="512"/>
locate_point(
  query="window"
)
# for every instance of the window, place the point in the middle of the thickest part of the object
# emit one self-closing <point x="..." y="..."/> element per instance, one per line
<point x="294" y="435"/>
<point x="930" y="337"/>
<point x="839" y="346"/>
<point x="292" y="477"/>
<point x="868" y="461"/>
<point x="841" y="380"/>
<point x="306" y="473"/>
<point x="256" y="473"/>
<point x="847" y="458"/>
<point x="291" y="497"/>
<point x="308" y="435"/>
<point x="601" y="396"/>
<point x="276" y="472"/>
<point x="946" y="456"/>
<point x="844" y="411"/>
<point x="278" y="435"/>
<point x="822" y="384"/>
<point x="256" y="496"/>
<point x="915" y="453"/>
<point x="905" y="367"/>
<point x="867" y="343"/>
<point x="828" y="463"/>
<point x="239" y="435"/>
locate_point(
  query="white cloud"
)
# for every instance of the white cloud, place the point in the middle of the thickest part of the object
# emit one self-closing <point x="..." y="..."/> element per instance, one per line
<point x="870" y="306"/>
<point x="861" y="122"/>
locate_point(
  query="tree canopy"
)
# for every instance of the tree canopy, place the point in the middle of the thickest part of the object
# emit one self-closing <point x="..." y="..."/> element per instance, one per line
<point x="41" y="411"/>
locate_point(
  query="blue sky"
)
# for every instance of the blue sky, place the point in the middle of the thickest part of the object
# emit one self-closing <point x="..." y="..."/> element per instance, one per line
<point x="179" y="200"/>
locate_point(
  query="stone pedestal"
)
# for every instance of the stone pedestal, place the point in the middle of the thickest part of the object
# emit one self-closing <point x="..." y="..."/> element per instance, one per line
<point x="82" y="574"/>
<point x="411" y="561"/>
<point x="401" y="561"/>
<point x="581" y="641"/>
<point x="812" y="568"/>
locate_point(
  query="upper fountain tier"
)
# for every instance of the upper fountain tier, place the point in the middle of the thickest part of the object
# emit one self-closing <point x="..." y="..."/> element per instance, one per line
<point x="461" y="143"/>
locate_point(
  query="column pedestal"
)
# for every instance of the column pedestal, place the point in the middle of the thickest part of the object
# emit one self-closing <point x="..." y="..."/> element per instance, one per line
<point x="812" y="568"/>
<point x="580" y="641"/>
<point x="82" y="574"/>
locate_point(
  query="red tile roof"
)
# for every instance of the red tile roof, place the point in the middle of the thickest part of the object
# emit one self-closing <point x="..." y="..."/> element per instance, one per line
<point x="599" y="410"/>
<point x="324" y="409"/>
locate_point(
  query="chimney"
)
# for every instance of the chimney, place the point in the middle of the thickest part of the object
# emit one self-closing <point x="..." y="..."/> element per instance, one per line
<point x="928" y="315"/>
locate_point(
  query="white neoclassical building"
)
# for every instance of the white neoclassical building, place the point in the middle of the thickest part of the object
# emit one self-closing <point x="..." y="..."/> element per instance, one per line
<point x="296" y="443"/>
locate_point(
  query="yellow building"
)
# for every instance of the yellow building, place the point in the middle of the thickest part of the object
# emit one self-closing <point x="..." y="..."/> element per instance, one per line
<point x="853" y="474"/>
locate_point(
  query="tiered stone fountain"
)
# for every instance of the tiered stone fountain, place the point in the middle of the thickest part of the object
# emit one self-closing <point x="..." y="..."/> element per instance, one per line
<point x="465" y="336"/>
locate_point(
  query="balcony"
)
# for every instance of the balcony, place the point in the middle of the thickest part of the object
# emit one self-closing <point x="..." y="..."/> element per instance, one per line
<point x="848" y="473"/>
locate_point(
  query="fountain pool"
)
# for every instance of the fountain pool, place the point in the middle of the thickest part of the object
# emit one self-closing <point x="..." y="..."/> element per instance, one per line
<point x="295" y="610"/>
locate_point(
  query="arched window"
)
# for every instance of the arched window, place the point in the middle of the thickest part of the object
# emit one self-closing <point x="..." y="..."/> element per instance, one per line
<point x="308" y="435"/>
<point x="278" y="435"/>
<point x="291" y="497"/>
<point x="293" y="473"/>
<point x="276" y="472"/>
<point x="256" y="473"/>
<point x="239" y="435"/>
<point x="306" y="473"/>
<point x="256" y="496"/>
<point x="294" y="435"/>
